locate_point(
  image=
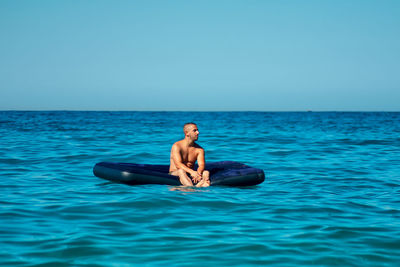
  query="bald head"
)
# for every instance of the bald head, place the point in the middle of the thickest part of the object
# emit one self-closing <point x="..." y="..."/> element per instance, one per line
<point x="188" y="126"/>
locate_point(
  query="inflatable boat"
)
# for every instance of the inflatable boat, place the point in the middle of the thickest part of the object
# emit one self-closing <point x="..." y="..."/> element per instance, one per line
<point x="229" y="173"/>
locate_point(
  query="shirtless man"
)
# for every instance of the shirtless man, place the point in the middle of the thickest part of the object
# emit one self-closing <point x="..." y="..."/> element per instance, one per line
<point x="184" y="154"/>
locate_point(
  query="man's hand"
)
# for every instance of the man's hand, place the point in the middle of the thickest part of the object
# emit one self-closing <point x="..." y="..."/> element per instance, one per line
<point x="195" y="176"/>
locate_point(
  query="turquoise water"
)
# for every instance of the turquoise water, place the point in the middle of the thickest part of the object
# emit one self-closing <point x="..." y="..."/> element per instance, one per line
<point x="331" y="195"/>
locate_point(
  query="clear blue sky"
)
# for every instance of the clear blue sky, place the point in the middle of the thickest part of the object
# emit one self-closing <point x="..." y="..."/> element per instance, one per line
<point x="200" y="55"/>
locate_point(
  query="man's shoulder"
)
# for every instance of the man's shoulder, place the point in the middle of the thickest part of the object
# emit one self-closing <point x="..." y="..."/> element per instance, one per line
<point x="180" y="143"/>
<point x="177" y="144"/>
<point x="198" y="147"/>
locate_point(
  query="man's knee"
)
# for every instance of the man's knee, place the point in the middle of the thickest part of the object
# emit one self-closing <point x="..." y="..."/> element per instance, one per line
<point x="206" y="173"/>
<point x="181" y="172"/>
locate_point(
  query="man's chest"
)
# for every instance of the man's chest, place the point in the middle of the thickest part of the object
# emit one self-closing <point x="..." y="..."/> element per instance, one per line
<point x="189" y="155"/>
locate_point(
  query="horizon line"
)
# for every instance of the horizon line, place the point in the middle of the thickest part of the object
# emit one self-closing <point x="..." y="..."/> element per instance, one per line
<point x="104" y="110"/>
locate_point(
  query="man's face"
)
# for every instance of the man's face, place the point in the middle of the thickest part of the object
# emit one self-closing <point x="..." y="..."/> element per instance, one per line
<point x="193" y="132"/>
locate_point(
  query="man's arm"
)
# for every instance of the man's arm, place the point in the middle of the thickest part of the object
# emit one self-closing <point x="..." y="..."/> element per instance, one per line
<point x="201" y="162"/>
<point x="177" y="158"/>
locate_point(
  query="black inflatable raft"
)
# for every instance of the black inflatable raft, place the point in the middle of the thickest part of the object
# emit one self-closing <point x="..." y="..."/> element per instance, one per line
<point x="228" y="173"/>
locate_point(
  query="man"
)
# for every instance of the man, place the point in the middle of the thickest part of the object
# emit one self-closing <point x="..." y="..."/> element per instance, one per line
<point x="184" y="155"/>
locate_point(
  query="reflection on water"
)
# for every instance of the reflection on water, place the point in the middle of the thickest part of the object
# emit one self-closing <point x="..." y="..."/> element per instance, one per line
<point x="187" y="189"/>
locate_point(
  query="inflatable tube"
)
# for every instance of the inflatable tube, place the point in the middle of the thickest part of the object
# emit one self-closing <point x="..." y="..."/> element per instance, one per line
<point x="228" y="173"/>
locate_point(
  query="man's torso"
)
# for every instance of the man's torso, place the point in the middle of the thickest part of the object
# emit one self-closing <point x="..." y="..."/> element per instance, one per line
<point x="188" y="154"/>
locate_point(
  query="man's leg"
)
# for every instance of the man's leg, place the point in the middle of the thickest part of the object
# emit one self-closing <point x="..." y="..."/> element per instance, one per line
<point x="183" y="178"/>
<point x="205" y="181"/>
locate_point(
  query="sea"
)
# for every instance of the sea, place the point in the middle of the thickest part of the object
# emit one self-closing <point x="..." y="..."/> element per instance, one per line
<point x="331" y="196"/>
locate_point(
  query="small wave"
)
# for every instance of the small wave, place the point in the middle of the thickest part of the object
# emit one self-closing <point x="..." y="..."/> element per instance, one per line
<point x="374" y="142"/>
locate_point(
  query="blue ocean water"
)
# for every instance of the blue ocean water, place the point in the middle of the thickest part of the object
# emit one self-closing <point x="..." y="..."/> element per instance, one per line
<point x="331" y="195"/>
